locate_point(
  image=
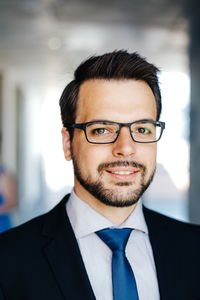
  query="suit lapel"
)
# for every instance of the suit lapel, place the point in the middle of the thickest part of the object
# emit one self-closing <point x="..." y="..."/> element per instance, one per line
<point x="63" y="256"/>
<point x="162" y="242"/>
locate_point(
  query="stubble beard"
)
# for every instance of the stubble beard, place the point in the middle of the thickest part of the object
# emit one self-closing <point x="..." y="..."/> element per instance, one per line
<point x="123" y="194"/>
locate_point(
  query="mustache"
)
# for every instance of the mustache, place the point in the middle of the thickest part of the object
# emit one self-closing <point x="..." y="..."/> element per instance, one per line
<point x="120" y="163"/>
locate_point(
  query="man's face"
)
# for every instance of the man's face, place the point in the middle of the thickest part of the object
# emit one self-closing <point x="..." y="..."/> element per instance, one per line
<point x="113" y="174"/>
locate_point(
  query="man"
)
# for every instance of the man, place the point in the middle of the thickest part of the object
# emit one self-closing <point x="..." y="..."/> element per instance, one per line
<point x="110" y="114"/>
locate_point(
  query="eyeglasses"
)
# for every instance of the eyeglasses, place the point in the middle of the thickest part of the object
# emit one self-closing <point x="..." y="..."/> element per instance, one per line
<point x="106" y="132"/>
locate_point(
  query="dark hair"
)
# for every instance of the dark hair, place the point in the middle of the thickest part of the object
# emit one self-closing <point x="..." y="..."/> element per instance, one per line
<point x="115" y="65"/>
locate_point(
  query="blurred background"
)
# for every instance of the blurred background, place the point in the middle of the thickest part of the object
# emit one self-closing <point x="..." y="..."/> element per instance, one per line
<point x="42" y="42"/>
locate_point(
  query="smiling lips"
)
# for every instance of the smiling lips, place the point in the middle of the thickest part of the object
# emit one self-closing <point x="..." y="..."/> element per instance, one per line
<point x="122" y="174"/>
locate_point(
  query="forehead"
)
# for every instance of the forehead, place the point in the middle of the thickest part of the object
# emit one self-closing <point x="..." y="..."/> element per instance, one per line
<point x="116" y="100"/>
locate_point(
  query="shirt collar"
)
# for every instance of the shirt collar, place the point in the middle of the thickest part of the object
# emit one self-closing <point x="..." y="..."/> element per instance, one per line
<point x="85" y="220"/>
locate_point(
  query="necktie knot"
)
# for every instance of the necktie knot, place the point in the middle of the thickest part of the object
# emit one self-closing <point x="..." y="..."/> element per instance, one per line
<point x="116" y="239"/>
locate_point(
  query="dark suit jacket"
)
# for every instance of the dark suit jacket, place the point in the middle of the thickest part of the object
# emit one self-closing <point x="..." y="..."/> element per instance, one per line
<point x="41" y="260"/>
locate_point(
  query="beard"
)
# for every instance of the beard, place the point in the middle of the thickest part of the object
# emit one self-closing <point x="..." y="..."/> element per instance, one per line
<point x="117" y="196"/>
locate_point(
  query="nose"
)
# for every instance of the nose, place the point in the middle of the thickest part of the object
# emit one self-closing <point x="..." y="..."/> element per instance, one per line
<point x="124" y="145"/>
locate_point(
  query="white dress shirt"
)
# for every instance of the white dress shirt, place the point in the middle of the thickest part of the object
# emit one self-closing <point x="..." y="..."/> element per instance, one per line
<point x="97" y="256"/>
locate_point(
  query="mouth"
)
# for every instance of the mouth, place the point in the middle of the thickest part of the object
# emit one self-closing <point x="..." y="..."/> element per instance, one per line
<point x="123" y="174"/>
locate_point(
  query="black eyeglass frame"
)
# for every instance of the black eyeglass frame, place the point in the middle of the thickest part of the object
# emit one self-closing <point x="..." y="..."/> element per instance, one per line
<point x="84" y="125"/>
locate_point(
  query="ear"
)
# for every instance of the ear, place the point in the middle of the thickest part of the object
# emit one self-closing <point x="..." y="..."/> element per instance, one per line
<point x="66" y="143"/>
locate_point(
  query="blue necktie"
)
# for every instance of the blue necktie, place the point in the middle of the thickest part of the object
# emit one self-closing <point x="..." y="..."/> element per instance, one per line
<point x="123" y="280"/>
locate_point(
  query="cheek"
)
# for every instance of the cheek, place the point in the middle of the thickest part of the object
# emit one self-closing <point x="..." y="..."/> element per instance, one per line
<point x="95" y="155"/>
<point x="89" y="155"/>
<point x="148" y="155"/>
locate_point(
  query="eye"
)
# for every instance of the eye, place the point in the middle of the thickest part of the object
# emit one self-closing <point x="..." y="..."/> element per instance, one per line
<point x="99" y="131"/>
<point x="144" y="130"/>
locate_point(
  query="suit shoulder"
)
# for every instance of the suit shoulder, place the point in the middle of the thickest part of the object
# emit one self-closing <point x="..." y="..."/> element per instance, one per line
<point x="165" y="222"/>
<point x="31" y="230"/>
<point x="21" y="232"/>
